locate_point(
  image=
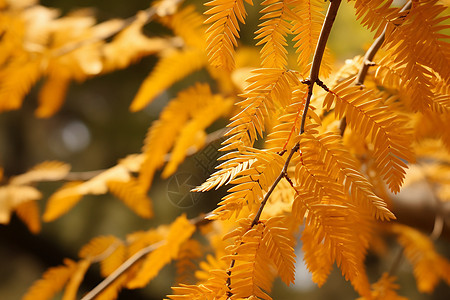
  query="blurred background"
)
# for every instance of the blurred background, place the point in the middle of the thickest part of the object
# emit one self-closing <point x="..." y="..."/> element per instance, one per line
<point x="94" y="129"/>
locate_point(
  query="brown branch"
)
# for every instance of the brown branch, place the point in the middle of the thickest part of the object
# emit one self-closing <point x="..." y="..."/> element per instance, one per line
<point x="372" y="51"/>
<point x="329" y="19"/>
<point x="368" y="61"/>
<point x="313" y="79"/>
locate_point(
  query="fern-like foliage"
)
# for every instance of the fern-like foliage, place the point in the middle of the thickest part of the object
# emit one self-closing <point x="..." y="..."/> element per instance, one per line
<point x="388" y="133"/>
<point x="343" y="168"/>
<point x="305" y="156"/>
<point x="222" y="34"/>
<point x="306" y="28"/>
<point x="273" y="32"/>
<point x="385" y="288"/>
<point x="20" y="193"/>
<point x="133" y="194"/>
<point x="16" y="83"/>
<point x="181" y="126"/>
<point x="267" y="90"/>
<point x="420" y="251"/>
<point x="179" y="232"/>
<point x="422" y="26"/>
<point x="172" y="67"/>
<point x="375" y="15"/>
<point x="54" y="280"/>
<point x="341" y="228"/>
<point x="250" y="273"/>
<point x="72" y="192"/>
<point x="250" y="185"/>
<point x="175" y="64"/>
<point x="189" y="252"/>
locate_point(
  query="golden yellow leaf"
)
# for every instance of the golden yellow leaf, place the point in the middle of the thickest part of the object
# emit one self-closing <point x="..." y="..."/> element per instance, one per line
<point x="62" y="201"/>
<point x="68" y="195"/>
<point x="11" y="196"/>
<point x="193" y="133"/>
<point x="114" y="260"/>
<point x="134" y="195"/>
<point x="130" y="45"/>
<point x="70" y="293"/>
<point x="28" y="212"/>
<point x="98" y="246"/>
<point x="429" y="266"/>
<point x="53" y="281"/>
<point x="189" y="251"/>
<point x="52" y="94"/>
<point x="16" y="81"/>
<point x="172" y="67"/>
<point x="46" y="171"/>
<point x="192" y="35"/>
<point x="112" y="291"/>
<point x="181" y="125"/>
<point x="180" y="230"/>
<point x="384" y="289"/>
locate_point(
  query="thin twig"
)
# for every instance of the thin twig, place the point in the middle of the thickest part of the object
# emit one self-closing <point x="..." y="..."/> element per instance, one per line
<point x="396" y="263"/>
<point x="329" y="19"/>
<point x="198" y="221"/>
<point x="368" y="61"/>
<point x="210" y="138"/>
<point x="439" y="219"/>
<point x="83" y="176"/>
<point x="372" y="51"/>
<point x="120" y="270"/>
<point x="313" y="78"/>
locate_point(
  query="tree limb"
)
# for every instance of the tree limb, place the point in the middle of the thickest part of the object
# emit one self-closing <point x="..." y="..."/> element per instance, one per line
<point x="313" y="78"/>
<point x="368" y="62"/>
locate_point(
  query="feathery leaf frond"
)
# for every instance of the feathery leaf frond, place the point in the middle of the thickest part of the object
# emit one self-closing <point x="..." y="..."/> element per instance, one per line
<point x="180" y="231"/>
<point x="342" y="167"/>
<point x="273" y="32"/>
<point x="384" y="289"/>
<point x="387" y="132"/>
<point x="181" y="125"/>
<point x="250" y="185"/>
<point x="267" y="90"/>
<point x="233" y="165"/>
<point x="222" y="33"/>
<point x="12" y="196"/>
<point x="46" y="171"/>
<point x="68" y="195"/>
<point x="53" y="281"/>
<point x="173" y="66"/>
<point x="306" y="28"/>
<point x="251" y="273"/>
<point x="375" y="14"/>
<point x="133" y="194"/>
<point x="16" y="82"/>
<point x="28" y="212"/>
<point x="429" y="266"/>
<point x="342" y="229"/>
<point x="280" y="247"/>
